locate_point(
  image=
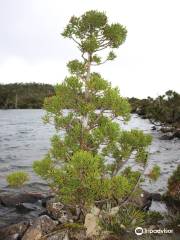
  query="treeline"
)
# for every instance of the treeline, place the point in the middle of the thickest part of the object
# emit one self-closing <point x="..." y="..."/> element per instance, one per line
<point x="165" y="109"/>
<point x="24" y="95"/>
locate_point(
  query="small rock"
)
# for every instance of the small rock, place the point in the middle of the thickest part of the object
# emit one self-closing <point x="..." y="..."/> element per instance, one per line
<point x="114" y="211"/>
<point x="91" y="224"/>
<point x="95" y="211"/>
<point x="58" y="211"/>
<point x="40" y="227"/>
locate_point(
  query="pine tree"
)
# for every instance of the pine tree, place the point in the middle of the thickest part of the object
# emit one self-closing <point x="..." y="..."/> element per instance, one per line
<point x="89" y="149"/>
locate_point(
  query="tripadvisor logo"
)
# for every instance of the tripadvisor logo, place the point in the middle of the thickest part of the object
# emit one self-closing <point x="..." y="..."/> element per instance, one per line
<point x="139" y="231"/>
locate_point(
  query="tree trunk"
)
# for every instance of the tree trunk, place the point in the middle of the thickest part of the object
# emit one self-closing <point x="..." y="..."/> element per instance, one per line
<point x="85" y="118"/>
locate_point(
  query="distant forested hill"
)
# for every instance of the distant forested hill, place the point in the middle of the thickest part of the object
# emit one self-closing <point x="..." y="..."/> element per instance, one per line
<point x="24" y="95"/>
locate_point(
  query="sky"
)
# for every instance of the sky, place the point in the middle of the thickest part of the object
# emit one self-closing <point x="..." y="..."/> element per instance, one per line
<point x="148" y="63"/>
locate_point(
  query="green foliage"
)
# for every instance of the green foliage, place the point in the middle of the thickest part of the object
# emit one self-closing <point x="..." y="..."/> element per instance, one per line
<point x="43" y="168"/>
<point x="155" y="172"/>
<point x="174" y="184"/>
<point x="127" y="218"/>
<point x="73" y="226"/>
<point x="78" y="181"/>
<point x="153" y="217"/>
<point x="164" y="109"/>
<point x="24" y="95"/>
<point x="17" y="179"/>
<point x="83" y="111"/>
<point x="92" y="33"/>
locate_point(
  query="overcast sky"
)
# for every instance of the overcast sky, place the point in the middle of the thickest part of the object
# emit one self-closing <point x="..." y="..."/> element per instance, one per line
<point x="148" y="63"/>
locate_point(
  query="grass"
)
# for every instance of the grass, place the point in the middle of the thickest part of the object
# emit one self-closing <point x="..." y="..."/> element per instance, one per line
<point x="17" y="179"/>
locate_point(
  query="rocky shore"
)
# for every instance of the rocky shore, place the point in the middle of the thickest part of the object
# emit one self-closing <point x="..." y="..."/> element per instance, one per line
<point x="42" y="217"/>
<point x="168" y="133"/>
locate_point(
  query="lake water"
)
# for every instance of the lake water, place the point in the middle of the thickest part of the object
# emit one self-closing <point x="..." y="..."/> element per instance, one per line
<point x="24" y="138"/>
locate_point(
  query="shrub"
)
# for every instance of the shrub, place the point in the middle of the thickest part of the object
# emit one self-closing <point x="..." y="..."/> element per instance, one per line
<point x="174" y="184"/>
<point x="155" y="172"/>
<point x="77" y="165"/>
<point x="127" y="218"/>
<point x="17" y="179"/>
<point x="153" y="217"/>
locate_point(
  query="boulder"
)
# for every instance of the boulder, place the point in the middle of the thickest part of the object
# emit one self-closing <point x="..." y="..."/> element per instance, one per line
<point x="142" y="200"/>
<point x="167" y="136"/>
<point x="177" y="133"/>
<point x="58" y="211"/>
<point x="171" y="135"/>
<point x="9" y="200"/>
<point x="40" y="227"/>
<point x="24" y="208"/>
<point x="156" y="196"/>
<point x="14" y="231"/>
<point x="167" y="129"/>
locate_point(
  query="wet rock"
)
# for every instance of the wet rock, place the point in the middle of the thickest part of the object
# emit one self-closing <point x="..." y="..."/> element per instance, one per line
<point x="59" y="211"/>
<point x="167" y="129"/>
<point x="14" y="231"/>
<point x="153" y="128"/>
<point x="169" y="136"/>
<point x="177" y="134"/>
<point x="27" y="207"/>
<point x="40" y="227"/>
<point x="45" y="200"/>
<point x="147" y="205"/>
<point x="9" y="200"/>
<point x="156" y="196"/>
<point x="142" y="200"/>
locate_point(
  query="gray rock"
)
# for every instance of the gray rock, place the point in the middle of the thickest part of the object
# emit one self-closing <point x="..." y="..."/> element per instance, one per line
<point x="168" y="136"/>
<point x="11" y="200"/>
<point x="67" y="234"/>
<point x="58" y="211"/>
<point x="58" y="235"/>
<point x="40" y="227"/>
<point x="167" y="129"/>
<point x="27" y="207"/>
<point x="177" y="133"/>
<point x="14" y="231"/>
